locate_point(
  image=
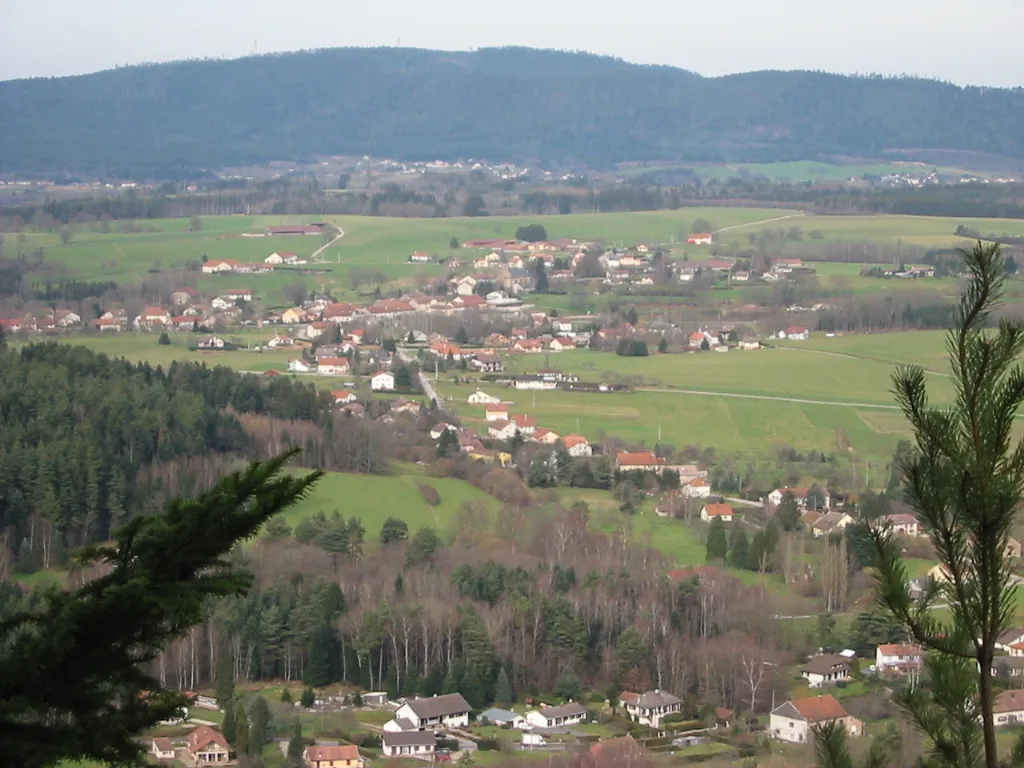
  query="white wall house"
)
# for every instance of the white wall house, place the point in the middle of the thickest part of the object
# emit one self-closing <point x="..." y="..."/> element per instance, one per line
<point x="449" y="710"/>
<point x="384" y="381"/>
<point x="651" y="707"/>
<point x="418" y="744"/>
<point x="482" y="398"/>
<point x="557" y="717"/>
<point x="793" y="720"/>
<point x="898" y="657"/>
<point x="826" y="669"/>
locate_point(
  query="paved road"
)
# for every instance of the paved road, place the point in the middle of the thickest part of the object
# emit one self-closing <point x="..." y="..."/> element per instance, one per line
<point x="425" y="383"/>
<point x="325" y="246"/>
<point x="763" y="221"/>
<point x="743" y="502"/>
<point x="766" y="397"/>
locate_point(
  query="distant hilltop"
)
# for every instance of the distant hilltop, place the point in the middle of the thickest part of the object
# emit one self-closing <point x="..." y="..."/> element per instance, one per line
<point x="514" y="104"/>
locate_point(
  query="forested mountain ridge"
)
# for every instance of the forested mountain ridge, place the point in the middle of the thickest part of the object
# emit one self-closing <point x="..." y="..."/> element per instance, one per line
<point x="500" y="104"/>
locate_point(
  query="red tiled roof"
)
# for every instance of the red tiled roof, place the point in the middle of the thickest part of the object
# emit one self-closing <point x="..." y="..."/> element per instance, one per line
<point x="818" y="708"/>
<point x="335" y="752"/>
<point x="1009" y="701"/>
<point x="524" y="421"/>
<point x="573" y="440"/>
<point x="718" y="510"/>
<point x="204" y="735"/>
<point x="638" y="459"/>
<point x="490" y="408"/>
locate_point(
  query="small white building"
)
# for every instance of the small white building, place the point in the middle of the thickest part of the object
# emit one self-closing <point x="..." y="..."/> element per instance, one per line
<point x="697" y="488"/>
<point x="383" y="381"/>
<point x="557" y="717"/>
<point x="723" y="512"/>
<point x="449" y="710"/>
<point x="793" y="720"/>
<point x="826" y="669"/>
<point x="898" y="658"/>
<point x="503" y="717"/>
<point x="1009" y="708"/>
<point x="210" y="342"/>
<point x="532" y="740"/>
<point x="794" y="333"/>
<point x="496" y="412"/>
<point x="419" y="744"/>
<point x="299" y="366"/>
<point x="482" y="398"/>
<point x="578" y="446"/>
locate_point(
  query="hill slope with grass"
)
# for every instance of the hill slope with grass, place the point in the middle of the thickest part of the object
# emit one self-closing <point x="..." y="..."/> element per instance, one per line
<point x="503" y="104"/>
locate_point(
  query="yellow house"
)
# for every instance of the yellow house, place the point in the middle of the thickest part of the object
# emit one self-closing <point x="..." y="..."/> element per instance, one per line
<point x="333" y="756"/>
<point x="291" y="316"/>
<point x="939" y="574"/>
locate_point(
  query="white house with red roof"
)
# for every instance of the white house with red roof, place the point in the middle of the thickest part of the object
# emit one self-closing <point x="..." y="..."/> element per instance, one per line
<point x="545" y="436"/>
<point x="214" y="266"/>
<point x="794" y="720"/>
<point x="638" y="461"/>
<point x="282" y="257"/>
<point x="903" y="524"/>
<point x="696" y="488"/>
<point x="561" y="344"/>
<point x="343" y="397"/>
<point x="333" y="366"/>
<point x="898" y="658"/>
<point x="333" y="756"/>
<point x="577" y="445"/>
<point x="722" y="512"/>
<point x="794" y="333"/>
<point x="525" y="424"/>
<point x="297" y="365"/>
<point x="700" y="238"/>
<point x="208" y="747"/>
<point x="496" y="412"/>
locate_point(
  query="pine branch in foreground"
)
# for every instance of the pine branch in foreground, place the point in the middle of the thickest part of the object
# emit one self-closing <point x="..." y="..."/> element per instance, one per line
<point x="73" y="683"/>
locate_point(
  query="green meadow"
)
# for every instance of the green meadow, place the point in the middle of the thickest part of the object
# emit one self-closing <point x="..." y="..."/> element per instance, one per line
<point x="374" y="498"/>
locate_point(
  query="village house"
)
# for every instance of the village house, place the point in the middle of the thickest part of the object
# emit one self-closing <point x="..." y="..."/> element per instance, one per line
<point x="292" y="316"/>
<point x="1009" y="638"/>
<point x="496" y="412"/>
<point x="464" y="285"/>
<point x="561" y="344"/>
<point x="532" y="381"/>
<point x="699" y="238"/>
<point x="898" y="658"/>
<point x="210" y="342"/>
<point x="697" y="488"/>
<point x="183" y="296"/>
<point x="339" y="312"/>
<point x="829" y="523"/>
<point x="237" y="294"/>
<point x="825" y="670"/>
<point x="215" y="266"/>
<point x="696" y="339"/>
<point x="162" y="748"/>
<point x="343" y="397"/>
<point x="1013" y="548"/>
<point x="793" y="720"/>
<point x="503" y="717"/>
<point x="528" y="346"/>
<point x="449" y="710"/>
<point x="420" y="257"/>
<point x="382" y="381"/>
<point x="545" y="436"/>
<point x="482" y="398"/>
<point x="902" y="524"/>
<point x="723" y="512"/>
<point x="502" y="430"/>
<point x="557" y="717"/>
<point x="800" y="495"/>
<point x="440" y="428"/>
<point x="108" y="324"/>
<point x="333" y="366"/>
<point x="282" y="257"/>
<point x="297" y="365"/>
<point x="577" y="446"/>
<point x="208" y="747"/>
<point x="1008" y="708"/>
<point x="444" y="350"/>
<point x="154" y="316"/>
<point x="638" y="461"/>
<point x="488" y="362"/>
<point x="525" y="424"/>
<point x="280" y="341"/>
<point x="794" y="333"/>
<point x="651" y="707"/>
<point x="402" y="405"/>
<point x="418" y="744"/>
<point x="333" y="756"/>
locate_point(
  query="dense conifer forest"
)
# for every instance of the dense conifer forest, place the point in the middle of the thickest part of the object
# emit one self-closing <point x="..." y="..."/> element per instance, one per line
<point x="500" y="104"/>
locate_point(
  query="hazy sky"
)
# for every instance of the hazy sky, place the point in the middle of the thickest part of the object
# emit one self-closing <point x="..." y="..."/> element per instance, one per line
<point x="977" y="43"/>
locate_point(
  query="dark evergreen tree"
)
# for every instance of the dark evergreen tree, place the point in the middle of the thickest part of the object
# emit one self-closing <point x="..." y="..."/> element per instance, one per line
<point x="318" y="668"/>
<point x="259" y="728"/>
<point x="718" y="545"/>
<point x="241" y="742"/>
<point x="393" y="531"/>
<point x="503" y="692"/>
<point x="73" y="683"/>
<point x="296" y="745"/>
<point x="739" y="547"/>
<point x="229" y="725"/>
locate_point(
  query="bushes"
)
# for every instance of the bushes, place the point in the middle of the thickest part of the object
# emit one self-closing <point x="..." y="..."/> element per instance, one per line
<point x="488" y="745"/>
<point x="429" y="494"/>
